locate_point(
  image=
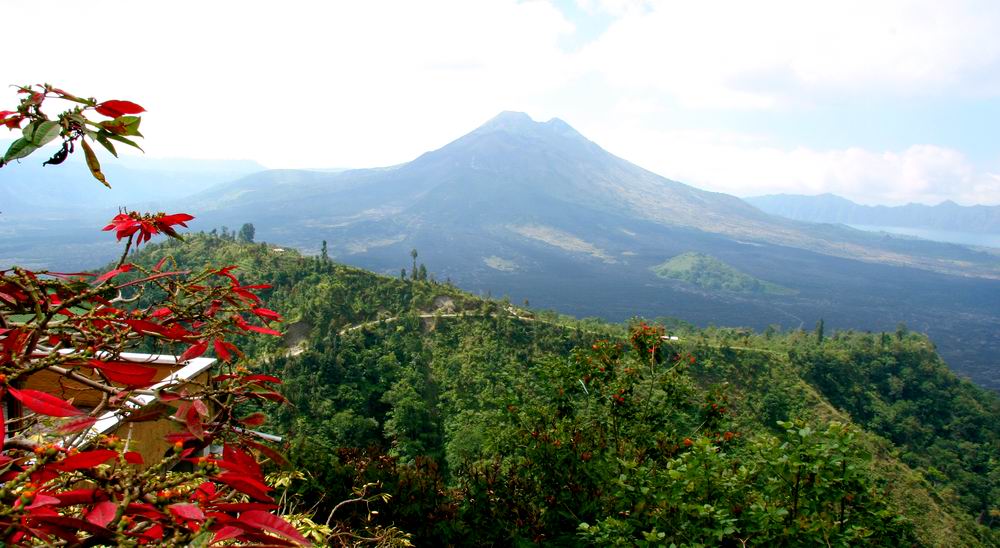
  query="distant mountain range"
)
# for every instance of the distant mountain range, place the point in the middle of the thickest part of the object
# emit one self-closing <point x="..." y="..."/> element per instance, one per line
<point x="28" y="187"/>
<point x="829" y="208"/>
<point x="517" y="178"/>
<point x="536" y="211"/>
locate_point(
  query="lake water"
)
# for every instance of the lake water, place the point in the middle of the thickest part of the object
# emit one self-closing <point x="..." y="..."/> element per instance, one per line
<point x="950" y="236"/>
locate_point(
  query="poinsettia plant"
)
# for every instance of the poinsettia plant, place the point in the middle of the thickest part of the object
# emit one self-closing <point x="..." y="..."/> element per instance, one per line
<point x="60" y="483"/>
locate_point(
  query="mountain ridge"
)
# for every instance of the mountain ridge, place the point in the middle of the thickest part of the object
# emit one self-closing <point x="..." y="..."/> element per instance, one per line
<point x="830" y="208"/>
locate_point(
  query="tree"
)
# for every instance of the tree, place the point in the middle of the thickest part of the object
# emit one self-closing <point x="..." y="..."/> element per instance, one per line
<point x="68" y="489"/>
<point x="323" y="253"/>
<point x="413" y="254"/>
<point x="246" y="233"/>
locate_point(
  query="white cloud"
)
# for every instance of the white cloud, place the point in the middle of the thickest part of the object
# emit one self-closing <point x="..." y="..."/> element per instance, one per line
<point x="766" y="53"/>
<point x="298" y="82"/>
<point x="746" y="165"/>
<point x="334" y="84"/>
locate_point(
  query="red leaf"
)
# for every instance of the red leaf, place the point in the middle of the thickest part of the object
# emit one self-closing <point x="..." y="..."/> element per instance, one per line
<point x="129" y="374"/>
<point x="222" y="351"/>
<point x="262" y="378"/>
<point x="41" y="500"/>
<point x="173" y="219"/>
<point x="44" y="404"/>
<point x="194" y="351"/>
<point x="225" y="533"/>
<point x="133" y="457"/>
<point x="243" y="484"/>
<point x="115" y="108"/>
<point x="272" y="524"/>
<point x="151" y="277"/>
<point x="145" y="510"/>
<point x="87" y="459"/>
<point x="61" y="525"/>
<point x="255" y="419"/>
<point x="102" y="513"/>
<point x="267" y="314"/>
<point x="79" y="496"/>
<point x="154" y="533"/>
<point x="263" y="330"/>
<point x="200" y="407"/>
<point x="275" y="456"/>
<point x="112" y="273"/>
<point x="75" y="425"/>
<point x="243" y="506"/>
<point x="187" y="511"/>
<point x="238" y="460"/>
<point x="193" y="421"/>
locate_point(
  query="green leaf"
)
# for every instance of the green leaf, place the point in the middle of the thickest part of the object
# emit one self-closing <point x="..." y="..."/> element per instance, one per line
<point x="93" y="164"/>
<point x="19" y="149"/>
<point x="103" y="139"/>
<point x="41" y="133"/>
<point x="125" y="140"/>
<point x="123" y="125"/>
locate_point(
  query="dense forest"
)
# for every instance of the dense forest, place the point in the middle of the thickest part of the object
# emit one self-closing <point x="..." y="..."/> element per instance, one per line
<point x="457" y="420"/>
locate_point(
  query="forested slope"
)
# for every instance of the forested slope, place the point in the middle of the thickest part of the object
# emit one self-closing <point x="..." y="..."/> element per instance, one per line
<point x="488" y="424"/>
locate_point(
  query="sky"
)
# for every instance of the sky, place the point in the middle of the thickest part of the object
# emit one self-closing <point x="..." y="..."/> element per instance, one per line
<point x="885" y="102"/>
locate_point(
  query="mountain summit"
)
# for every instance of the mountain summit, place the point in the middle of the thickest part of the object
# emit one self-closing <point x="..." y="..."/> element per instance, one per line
<point x="535" y="210"/>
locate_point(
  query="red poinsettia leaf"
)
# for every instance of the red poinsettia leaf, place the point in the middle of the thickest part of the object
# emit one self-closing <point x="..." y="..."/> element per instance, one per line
<point x="102" y="513"/>
<point x="254" y="419"/>
<point x="248" y="486"/>
<point x="267" y="314"/>
<point x="271" y="523"/>
<point x="237" y="460"/>
<point x="132" y="457"/>
<point x="129" y="374"/>
<point x="194" y="351"/>
<point x="145" y="327"/>
<point x="187" y="511"/>
<point x="115" y="108"/>
<point x="221" y="351"/>
<point x="44" y="404"/>
<point x="153" y="534"/>
<point x="67" y="527"/>
<point x="263" y="330"/>
<point x="192" y="419"/>
<point x="227" y="532"/>
<point x="243" y="506"/>
<point x="114" y="272"/>
<point x="41" y="500"/>
<point x="87" y="459"/>
<point x="174" y="219"/>
<point x="275" y="456"/>
<point x="75" y="425"/>
<point x="149" y="412"/>
<point x="151" y="277"/>
<point x="262" y="378"/>
<point x="80" y="496"/>
<point x="144" y="510"/>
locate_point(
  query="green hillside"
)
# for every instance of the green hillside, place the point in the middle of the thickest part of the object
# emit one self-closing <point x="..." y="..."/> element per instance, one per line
<point x="712" y="274"/>
<point x="487" y="423"/>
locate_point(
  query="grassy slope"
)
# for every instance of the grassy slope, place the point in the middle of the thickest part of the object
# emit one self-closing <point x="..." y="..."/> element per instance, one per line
<point x="712" y="274"/>
<point x="320" y="299"/>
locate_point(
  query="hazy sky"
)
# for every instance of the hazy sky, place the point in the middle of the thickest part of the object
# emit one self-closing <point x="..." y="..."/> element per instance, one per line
<point x="879" y="101"/>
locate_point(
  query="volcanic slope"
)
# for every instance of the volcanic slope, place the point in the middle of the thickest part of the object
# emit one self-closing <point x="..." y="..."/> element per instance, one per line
<point x="537" y="211"/>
